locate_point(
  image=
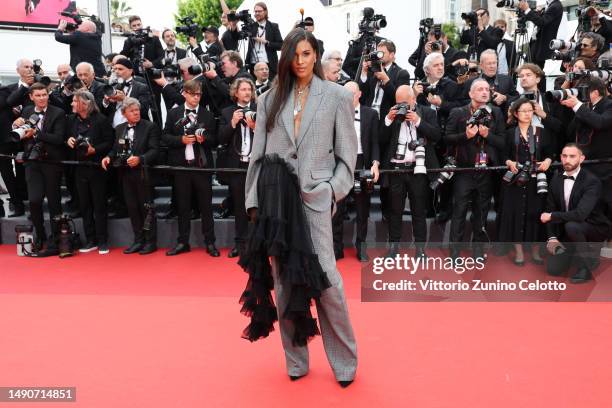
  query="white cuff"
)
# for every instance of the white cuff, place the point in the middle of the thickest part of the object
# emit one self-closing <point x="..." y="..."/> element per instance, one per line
<point x="388" y="121"/>
<point x="577" y="106"/>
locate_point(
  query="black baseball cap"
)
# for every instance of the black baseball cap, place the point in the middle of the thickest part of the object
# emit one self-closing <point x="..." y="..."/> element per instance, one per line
<point x="212" y="29"/>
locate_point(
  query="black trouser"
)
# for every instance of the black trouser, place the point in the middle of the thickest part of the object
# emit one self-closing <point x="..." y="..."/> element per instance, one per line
<point x="606" y="196"/>
<point x="91" y="187"/>
<point x="576" y="237"/>
<point x="137" y="192"/>
<point x="236" y="184"/>
<point x="474" y="188"/>
<point x="71" y="183"/>
<point x="199" y="184"/>
<point x="362" y="208"/>
<point x="44" y="180"/>
<point x="416" y="186"/>
<point x="14" y="181"/>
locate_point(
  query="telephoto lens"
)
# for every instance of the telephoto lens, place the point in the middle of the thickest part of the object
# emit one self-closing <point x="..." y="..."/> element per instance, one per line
<point x="419" y="155"/>
<point x="542" y="183"/>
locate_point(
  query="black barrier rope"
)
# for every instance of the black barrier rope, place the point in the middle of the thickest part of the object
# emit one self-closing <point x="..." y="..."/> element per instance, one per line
<point x="235" y="170"/>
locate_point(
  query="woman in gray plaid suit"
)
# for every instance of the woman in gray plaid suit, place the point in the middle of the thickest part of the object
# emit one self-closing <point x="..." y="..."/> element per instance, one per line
<point x="308" y="122"/>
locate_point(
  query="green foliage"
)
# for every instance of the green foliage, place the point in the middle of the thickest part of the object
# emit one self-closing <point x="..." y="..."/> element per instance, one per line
<point x="452" y="32"/>
<point x="119" y="11"/>
<point x="204" y="12"/>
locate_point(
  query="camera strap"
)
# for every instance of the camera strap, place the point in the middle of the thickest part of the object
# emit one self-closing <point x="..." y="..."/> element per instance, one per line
<point x="532" y="140"/>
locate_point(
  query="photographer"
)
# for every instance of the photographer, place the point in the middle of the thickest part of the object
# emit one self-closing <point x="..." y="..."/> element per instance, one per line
<point x="231" y="37"/>
<point x="211" y="46"/>
<point x="85" y="44"/>
<point x="591" y="130"/>
<point x="547" y="24"/>
<point x="507" y="57"/>
<point x="236" y="130"/>
<point x="126" y="87"/>
<point x="136" y="144"/>
<point x="437" y="41"/>
<point x="141" y="36"/>
<point x="527" y="154"/>
<point x="266" y="40"/>
<point x="475" y="132"/>
<point x="591" y="46"/>
<point x="413" y="135"/>
<point x="189" y="145"/>
<point x="601" y="25"/>
<point x="550" y="117"/>
<point x="262" y="77"/>
<point x="309" y="26"/>
<point x="574" y="217"/>
<point x="503" y="90"/>
<point x="216" y="89"/>
<point x="45" y="141"/>
<point x="63" y="71"/>
<point x="90" y="135"/>
<point x="479" y="35"/>
<point x="366" y="167"/>
<point x="172" y="54"/>
<point x="12" y="99"/>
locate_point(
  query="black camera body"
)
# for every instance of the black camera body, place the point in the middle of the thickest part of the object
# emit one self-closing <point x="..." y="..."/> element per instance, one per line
<point x="444" y="176"/>
<point x="482" y="116"/>
<point x="69" y="240"/>
<point x="81" y="146"/>
<point x="168" y="71"/>
<point x="471" y="18"/>
<point x="530" y="96"/>
<point x="188" y="27"/>
<point x="209" y="63"/>
<point x="402" y="111"/>
<point x="111" y="88"/>
<point x="371" y="22"/>
<point x="429" y="89"/>
<point x="38" y="73"/>
<point x="139" y="37"/>
<point x="419" y="142"/>
<point x="247" y="20"/>
<point x="250" y="113"/>
<point x="30" y="123"/>
<point x="72" y="83"/>
<point x="521" y="178"/>
<point x="364" y="183"/>
<point x="581" y="92"/>
<point x="191" y="128"/>
<point x="375" y="58"/>
<point x="124" y="153"/>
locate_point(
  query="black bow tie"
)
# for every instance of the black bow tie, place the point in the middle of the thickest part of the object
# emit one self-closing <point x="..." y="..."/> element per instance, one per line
<point x="128" y="83"/>
<point x="39" y="112"/>
<point x="188" y="111"/>
<point x="568" y="177"/>
<point x="131" y="127"/>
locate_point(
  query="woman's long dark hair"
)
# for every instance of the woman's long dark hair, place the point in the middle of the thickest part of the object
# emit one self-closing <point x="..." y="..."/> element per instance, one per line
<point x="283" y="83"/>
<point x="516" y="105"/>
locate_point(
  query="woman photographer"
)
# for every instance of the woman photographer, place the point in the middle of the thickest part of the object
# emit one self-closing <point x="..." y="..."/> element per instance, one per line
<point x="90" y="134"/>
<point x="528" y="156"/>
<point x="579" y="66"/>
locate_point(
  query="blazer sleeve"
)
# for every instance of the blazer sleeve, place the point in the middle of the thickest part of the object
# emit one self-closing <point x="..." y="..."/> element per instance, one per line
<point x="63" y="38"/>
<point x="429" y="127"/>
<point x="152" y="145"/>
<point x="590" y="196"/>
<point x="596" y="121"/>
<point x="345" y="147"/>
<point x="541" y="20"/>
<point x="491" y="38"/>
<point x="257" y="153"/>
<point x="275" y="42"/>
<point x="497" y="133"/>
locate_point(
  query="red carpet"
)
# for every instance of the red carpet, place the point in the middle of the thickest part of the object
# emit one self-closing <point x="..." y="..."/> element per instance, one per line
<point x="134" y="331"/>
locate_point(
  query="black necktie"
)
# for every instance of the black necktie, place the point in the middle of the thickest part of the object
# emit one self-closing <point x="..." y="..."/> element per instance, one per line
<point x="568" y="177"/>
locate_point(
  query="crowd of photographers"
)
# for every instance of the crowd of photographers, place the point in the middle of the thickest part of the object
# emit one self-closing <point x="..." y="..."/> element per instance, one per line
<point x="463" y="113"/>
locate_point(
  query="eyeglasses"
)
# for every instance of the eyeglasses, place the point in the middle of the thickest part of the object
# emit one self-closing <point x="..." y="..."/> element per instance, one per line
<point x="194" y="93"/>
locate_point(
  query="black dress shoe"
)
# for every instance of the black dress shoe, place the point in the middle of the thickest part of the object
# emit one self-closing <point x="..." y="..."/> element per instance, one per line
<point x="296" y="377"/>
<point x="338" y="254"/>
<point x="582" y="275"/>
<point x="222" y="213"/>
<point x="443" y="216"/>
<point x="178" y="249"/>
<point x="149" y="248"/>
<point x="132" y="249"/>
<point x="234" y="252"/>
<point x="518" y="262"/>
<point x="167" y="215"/>
<point x="212" y="250"/>
<point x="49" y="251"/>
<point x="345" y="384"/>
<point x="393" y="250"/>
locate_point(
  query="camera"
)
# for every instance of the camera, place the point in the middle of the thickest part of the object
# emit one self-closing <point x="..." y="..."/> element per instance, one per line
<point x="576" y="75"/>
<point x="436" y="46"/>
<point x="77" y="20"/>
<point x="419" y="155"/>
<point x="168" y="71"/>
<point x="364" y="182"/>
<point x="249" y="113"/>
<point x="375" y="58"/>
<point x="139" y="37"/>
<point x="542" y="183"/>
<point x="429" y="89"/>
<point x="514" y="4"/>
<point x="445" y="175"/>
<point x="581" y="92"/>
<point x="111" y="88"/>
<point x="530" y="96"/>
<point x="482" y="116"/>
<point x="209" y="63"/>
<point x="371" y="22"/>
<point x="191" y="128"/>
<point x="562" y="56"/>
<point x="30" y="123"/>
<point x="557" y="45"/>
<point x="602" y="74"/>
<point x="72" y="83"/>
<point x="68" y="241"/>
<point x="124" y="153"/>
<point x="188" y="27"/>
<point x="38" y="73"/>
<point x="81" y="146"/>
<point x="247" y="20"/>
<point x="424" y="27"/>
<point x="471" y="18"/>
<point x="521" y="178"/>
<point x="402" y="111"/>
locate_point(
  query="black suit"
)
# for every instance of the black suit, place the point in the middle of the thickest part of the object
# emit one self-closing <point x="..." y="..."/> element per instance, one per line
<point x="591" y="129"/>
<point x="474" y="187"/>
<point x="275" y="42"/>
<point x="548" y="24"/>
<point x="186" y="183"/>
<point x="213" y="50"/>
<point x="15" y="182"/>
<point x="397" y="77"/>
<point x="136" y="188"/>
<point x="91" y="181"/>
<point x="43" y="180"/>
<point x="450" y="55"/>
<point x="84" y="47"/>
<point x="232" y="139"/>
<point x="230" y="39"/>
<point x="584" y="220"/>
<point x="353" y="56"/>
<point x="368" y="134"/>
<point x="485" y="39"/>
<point x="414" y="185"/>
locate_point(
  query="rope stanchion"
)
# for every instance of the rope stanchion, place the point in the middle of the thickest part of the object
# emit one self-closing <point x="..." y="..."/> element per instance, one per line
<point x="165" y="168"/>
